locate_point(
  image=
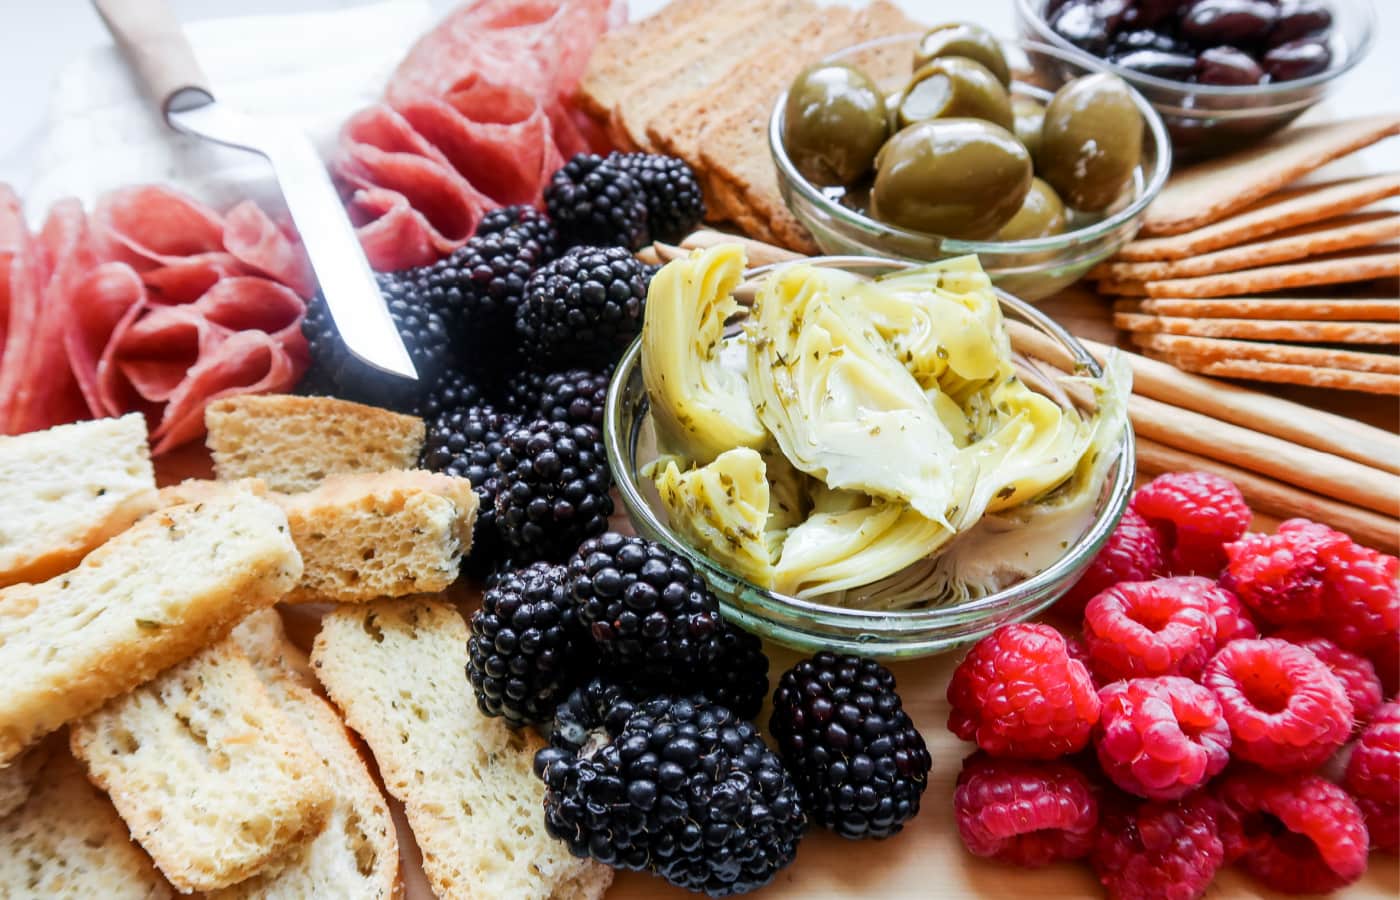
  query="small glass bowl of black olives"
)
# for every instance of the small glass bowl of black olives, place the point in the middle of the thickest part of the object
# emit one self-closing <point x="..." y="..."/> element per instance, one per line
<point x="1223" y="73"/>
<point x="953" y="142"/>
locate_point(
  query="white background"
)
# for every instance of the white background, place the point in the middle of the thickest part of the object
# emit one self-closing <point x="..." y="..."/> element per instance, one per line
<point x="38" y="36"/>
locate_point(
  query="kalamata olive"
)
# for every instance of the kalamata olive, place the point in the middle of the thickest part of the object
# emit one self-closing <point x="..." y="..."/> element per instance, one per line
<point x="1088" y="24"/>
<point x="1150" y="13"/>
<point x="1227" y="65"/>
<point x="1143" y="39"/>
<point x="961" y="178"/>
<point x="1299" y="18"/>
<point x="953" y="87"/>
<point x="1297" y="59"/>
<point x="1210" y="23"/>
<point x="1173" y="66"/>
<point x="834" y="123"/>
<point x="1030" y="116"/>
<point x="1091" y="141"/>
<point x="963" y="39"/>
<point x="1042" y="214"/>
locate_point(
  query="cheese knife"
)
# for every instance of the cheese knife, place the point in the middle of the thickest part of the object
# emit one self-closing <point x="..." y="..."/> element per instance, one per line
<point x="150" y="36"/>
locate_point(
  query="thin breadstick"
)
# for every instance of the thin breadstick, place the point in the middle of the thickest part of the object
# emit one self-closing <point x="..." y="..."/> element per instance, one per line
<point x="1324" y="473"/>
<point x="1275" y="498"/>
<point x="759" y="253"/>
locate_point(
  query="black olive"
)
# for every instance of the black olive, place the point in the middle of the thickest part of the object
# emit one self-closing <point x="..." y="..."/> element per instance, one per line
<point x="1299" y="18"/>
<point x="1227" y="65"/>
<point x="1174" y="66"/>
<point x="1210" y="23"/>
<point x="1297" y="59"/>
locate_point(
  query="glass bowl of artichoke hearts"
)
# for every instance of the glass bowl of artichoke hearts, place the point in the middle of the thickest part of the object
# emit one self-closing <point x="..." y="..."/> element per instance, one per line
<point x="952" y="142"/>
<point x="863" y="454"/>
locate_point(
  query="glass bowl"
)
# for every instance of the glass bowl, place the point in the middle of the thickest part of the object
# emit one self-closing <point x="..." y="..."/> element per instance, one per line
<point x="1031" y="269"/>
<point x="1206" y="120"/>
<point x="808" y="625"/>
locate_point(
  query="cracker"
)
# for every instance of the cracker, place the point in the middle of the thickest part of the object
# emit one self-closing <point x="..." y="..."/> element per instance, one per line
<point x="1294" y="308"/>
<point x="1212" y="190"/>
<point x="1224" y="350"/>
<point x="1287" y="373"/>
<point x="616" y="63"/>
<point x="1334" y="268"/>
<point x="1343" y="233"/>
<point x="1266" y="330"/>
<point x="1283" y="209"/>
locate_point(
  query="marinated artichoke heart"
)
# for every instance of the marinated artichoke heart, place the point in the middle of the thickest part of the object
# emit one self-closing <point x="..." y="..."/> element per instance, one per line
<point x="835" y="398"/>
<point x="700" y="406"/>
<point x="723" y="509"/>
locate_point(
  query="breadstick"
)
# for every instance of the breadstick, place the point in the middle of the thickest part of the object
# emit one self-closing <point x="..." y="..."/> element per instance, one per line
<point x="1324" y="473"/>
<point x="1274" y="498"/>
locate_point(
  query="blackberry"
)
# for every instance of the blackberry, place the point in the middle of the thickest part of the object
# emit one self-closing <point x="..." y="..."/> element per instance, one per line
<point x="554" y="489"/>
<point x="527" y="650"/>
<point x="344" y="375"/>
<point x="521" y="394"/>
<point x="531" y="222"/>
<point x="739" y="679"/>
<point x="593" y="202"/>
<point x="679" y="787"/>
<point x="584" y="308"/>
<point x="478" y="287"/>
<point x="465" y="443"/>
<point x="575" y="396"/>
<point x="456" y="389"/>
<point x="651" y="614"/>
<point x="859" y="763"/>
<point x="675" y="204"/>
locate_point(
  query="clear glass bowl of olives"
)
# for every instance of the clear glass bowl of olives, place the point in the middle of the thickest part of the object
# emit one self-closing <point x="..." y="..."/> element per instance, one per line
<point x="811" y="625"/>
<point x="1223" y="73"/>
<point x="925" y="146"/>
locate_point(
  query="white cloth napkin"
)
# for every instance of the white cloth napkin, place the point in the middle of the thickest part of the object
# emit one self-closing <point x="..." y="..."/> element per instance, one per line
<point x="309" y="70"/>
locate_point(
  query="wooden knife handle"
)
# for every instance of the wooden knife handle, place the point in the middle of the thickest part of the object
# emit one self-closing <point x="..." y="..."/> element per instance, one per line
<point x="150" y="36"/>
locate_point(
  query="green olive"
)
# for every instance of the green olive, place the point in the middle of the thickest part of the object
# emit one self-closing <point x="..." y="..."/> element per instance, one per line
<point x="963" y="39"/>
<point x="961" y="178"/>
<point x="1091" y="141"/>
<point x="1029" y="115"/>
<point x="1041" y="215"/>
<point x="954" y="88"/>
<point x="834" y="123"/>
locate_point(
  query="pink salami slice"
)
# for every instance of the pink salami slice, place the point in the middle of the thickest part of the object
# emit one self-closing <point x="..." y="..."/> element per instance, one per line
<point x="21" y="288"/>
<point x="257" y="241"/>
<point x="106" y="301"/>
<point x="148" y="226"/>
<point x="395" y="235"/>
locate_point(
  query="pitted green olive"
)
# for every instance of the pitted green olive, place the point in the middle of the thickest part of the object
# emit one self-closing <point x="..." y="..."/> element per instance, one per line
<point x="967" y="40"/>
<point x="954" y="88"/>
<point x="1091" y="141"/>
<point x="960" y="178"/>
<point x="1042" y="214"/>
<point x="1030" y="116"/>
<point x="834" y="123"/>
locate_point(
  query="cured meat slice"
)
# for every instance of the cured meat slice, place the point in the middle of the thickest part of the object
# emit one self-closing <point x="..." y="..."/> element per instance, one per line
<point x="149" y="226"/>
<point x="104" y="303"/>
<point x="393" y="234"/>
<point x="256" y="241"/>
<point x="184" y="280"/>
<point x="21" y="285"/>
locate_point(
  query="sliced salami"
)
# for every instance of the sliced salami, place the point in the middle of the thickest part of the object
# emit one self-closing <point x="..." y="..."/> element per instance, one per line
<point x="257" y="242"/>
<point x="149" y="226"/>
<point x="104" y="303"/>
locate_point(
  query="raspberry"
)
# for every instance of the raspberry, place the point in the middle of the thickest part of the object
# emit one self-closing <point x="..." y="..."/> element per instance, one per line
<point x="1386" y="659"/>
<point x="1158" y="851"/>
<point x="1357" y="675"/>
<point x="1197" y="514"/>
<point x="1027" y="813"/>
<point x="1279" y="577"/>
<point x="1232" y="623"/>
<point x="1146" y="628"/>
<point x="1373" y="777"/>
<point x="1160" y="738"/>
<point x="1018" y="694"/>
<point x="1361" y="598"/>
<point x="1133" y="553"/>
<point x="1285" y="709"/>
<point x="1298" y="834"/>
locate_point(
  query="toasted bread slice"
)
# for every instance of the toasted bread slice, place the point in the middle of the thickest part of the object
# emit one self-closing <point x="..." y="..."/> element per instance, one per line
<point x="615" y="61"/>
<point x="65" y="491"/>
<point x="213" y="778"/>
<point x="397" y="669"/>
<point x="389" y="534"/>
<point x="201" y="490"/>
<point x="292" y="443"/>
<point x="17" y="779"/>
<point x="357" y="852"/>
<point x="171" y="584"/>
<point x="68" y="843"/>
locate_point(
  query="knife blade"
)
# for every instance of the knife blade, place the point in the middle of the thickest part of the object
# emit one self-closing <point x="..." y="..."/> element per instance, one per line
<point x="150" y="35"/>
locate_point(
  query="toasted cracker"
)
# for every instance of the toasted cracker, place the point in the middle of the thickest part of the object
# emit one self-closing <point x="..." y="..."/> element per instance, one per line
<point x="1225" y="350"/>
<point x="1288" y="208"/>
<point x="1212" y="190"/>
<point x="1287" y="373"/>
<point x="1292" y="308"/>
<point x="615" y="62"/>
<point x="1334" y="268"/>
<point x="1266" y="330"/>
<point x="1346" y="232"/>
